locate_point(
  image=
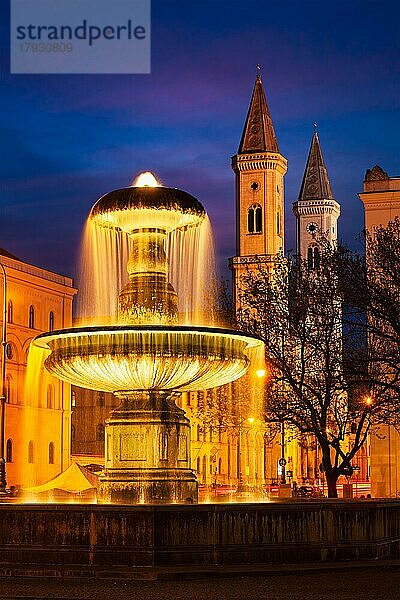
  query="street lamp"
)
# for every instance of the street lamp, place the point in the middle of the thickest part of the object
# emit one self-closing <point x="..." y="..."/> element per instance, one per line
<point x="3" y="480"/>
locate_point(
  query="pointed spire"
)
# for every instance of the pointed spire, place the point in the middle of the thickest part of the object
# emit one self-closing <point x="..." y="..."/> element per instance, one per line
<point x="258" y="133"/>
<point x="315" y="185"/>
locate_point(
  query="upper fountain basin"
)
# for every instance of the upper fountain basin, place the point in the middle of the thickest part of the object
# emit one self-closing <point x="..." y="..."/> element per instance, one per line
<point x="133" y="208"/>
<point x="129" y="358"/>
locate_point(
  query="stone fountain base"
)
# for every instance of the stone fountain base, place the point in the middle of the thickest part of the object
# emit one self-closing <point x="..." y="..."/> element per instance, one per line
<point x="147" y="452"/>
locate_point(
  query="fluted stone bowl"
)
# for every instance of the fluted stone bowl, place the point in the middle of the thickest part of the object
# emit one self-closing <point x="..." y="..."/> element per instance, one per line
<point x="130" y="358"/>
<point x="134" y="208"/>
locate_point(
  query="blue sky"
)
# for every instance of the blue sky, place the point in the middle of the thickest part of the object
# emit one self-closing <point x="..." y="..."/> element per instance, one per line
<point x="66" y="140"/>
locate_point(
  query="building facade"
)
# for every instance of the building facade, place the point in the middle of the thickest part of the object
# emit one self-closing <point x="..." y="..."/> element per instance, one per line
<point x="381" y="200"/>
<point x="37" y="418"/>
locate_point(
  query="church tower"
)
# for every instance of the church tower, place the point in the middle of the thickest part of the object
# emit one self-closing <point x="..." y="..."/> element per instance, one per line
<point x="259" y="169"/>
<point x="316" y="210"/>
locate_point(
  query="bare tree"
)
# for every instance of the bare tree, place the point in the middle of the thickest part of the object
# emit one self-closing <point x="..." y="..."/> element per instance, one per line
<point x="299" y="314"/>
<point x="371" y="289"/>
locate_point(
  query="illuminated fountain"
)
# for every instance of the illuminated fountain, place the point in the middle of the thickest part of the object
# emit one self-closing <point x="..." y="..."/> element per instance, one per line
<point x="147" y="359"/>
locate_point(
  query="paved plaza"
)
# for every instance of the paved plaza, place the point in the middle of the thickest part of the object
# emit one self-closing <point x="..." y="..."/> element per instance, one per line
<point x="378" y="583"/>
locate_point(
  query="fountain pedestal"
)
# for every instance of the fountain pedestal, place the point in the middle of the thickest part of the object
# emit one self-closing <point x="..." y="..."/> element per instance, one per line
<point x="147" y="453"/>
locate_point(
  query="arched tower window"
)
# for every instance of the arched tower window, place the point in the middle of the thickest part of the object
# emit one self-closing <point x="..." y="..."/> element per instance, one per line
<point x="31" y="317"/>
<point x="100" y="432"/>
<point x="10" y="312"/>
<point x="50" y="396"/>
<point x="51" y="321"/>
<point x="254" y="219"/>
<point x="313" y="258"/>
<point x="9" y="451"/>
<point x="31" y="454"/>
<point x="51" y="453"/>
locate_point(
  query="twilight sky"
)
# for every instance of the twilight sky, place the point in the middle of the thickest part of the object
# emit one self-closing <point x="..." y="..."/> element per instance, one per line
<point x="66" y="140"/>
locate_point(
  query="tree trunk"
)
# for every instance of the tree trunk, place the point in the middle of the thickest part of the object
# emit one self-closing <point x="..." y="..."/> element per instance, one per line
<point x="331" y="480"/>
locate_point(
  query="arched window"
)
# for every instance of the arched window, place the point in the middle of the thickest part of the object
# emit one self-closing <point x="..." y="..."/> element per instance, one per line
<point x="204" y="468"/>
<point x="73" y="398"/>
<point x="50" y="396"/>
<point x="219" y="466"/>
<point x="31" y="317"/>
<point x="100" y="432"/>
<point x="72" y="433"/>
<point x="31" y="454"/>
<point x="313" y="258"/>
<point x="198" y="464"/>
<point x="51" y="321"/>
<point x="51" y="453"/>
<point x="9" y="451"/>
<point x="278" y="223"/>
<point x="254" y="219"/>
<point x="10" y="312"/>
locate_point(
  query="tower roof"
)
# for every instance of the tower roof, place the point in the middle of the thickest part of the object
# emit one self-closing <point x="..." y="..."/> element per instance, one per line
<point x="258" y="133"/>
<point x="315" y="185"/>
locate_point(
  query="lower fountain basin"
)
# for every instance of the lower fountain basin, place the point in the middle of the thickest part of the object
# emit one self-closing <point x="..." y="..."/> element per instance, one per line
<point x="121" y="358"/>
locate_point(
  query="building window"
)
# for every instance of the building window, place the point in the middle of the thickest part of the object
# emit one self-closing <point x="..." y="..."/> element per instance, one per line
<point x="100" y="432"/>
<point x="278" y="223"/>
<point x="51" y="321"/>
<point x="9" y="451"/>
<point x="50" y="396"/>
<point x="51" y="453"/>
<point x="254" y="219"/>
<point x="72" y="433"/>
<point x="9" y="351"/>
<point x="31" y="456"/>
<point x="10" y="312"/>
<point x="73" y="398"/>
<point x="31" y="317"/>
<point x="313" y="258"/>
<point x="220" y="466"/>
<point x="204" y="469"/>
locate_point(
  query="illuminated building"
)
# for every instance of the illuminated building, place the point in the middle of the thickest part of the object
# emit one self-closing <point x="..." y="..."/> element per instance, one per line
<point x="381" y="200"/>
<point x="37" y="425"/>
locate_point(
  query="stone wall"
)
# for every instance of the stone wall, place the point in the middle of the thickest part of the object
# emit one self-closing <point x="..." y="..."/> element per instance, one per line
<point x="149" y="541"/>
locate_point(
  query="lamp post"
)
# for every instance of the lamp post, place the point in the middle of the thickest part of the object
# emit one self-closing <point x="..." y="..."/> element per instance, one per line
<point x="3" y="480"/>
<point x="282" y="460"/>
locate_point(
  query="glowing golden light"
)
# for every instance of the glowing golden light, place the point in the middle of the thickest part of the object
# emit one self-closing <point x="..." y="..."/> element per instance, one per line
<point x="251" y="420"/>
<point x="147" y="358"/>
<point x="146" y="179"/>
<point x="261" y="373"/>
<point x="368" y="400"/>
